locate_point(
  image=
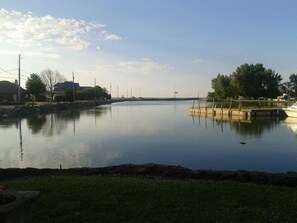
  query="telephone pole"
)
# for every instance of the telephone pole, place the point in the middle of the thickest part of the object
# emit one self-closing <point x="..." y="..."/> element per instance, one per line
<point x="19" y="84"/>
<point x="95" y="91"/>
<point x="73" y="87"/>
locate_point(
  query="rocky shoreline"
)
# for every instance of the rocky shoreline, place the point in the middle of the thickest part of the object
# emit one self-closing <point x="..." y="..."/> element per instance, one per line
<point x="23" y="111"/>
<point x="288" y="179"/>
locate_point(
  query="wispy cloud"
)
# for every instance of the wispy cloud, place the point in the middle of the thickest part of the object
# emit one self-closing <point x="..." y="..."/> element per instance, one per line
<point x="197" y="61"/>
<point x="143" y="66"/>
<point x="107" y="36"/>
<point x="26" y="30"/>
<point x="44" y="52"/>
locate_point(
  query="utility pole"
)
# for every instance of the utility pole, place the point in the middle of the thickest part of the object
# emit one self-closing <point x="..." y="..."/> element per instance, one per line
<point x="73" y="90"/>
<point x="118" y="91"/>
<point x="95" y="90"/>
<point x="110" y="90"/>
<point x="174" y="90"/>
<point x="19" y="84"/>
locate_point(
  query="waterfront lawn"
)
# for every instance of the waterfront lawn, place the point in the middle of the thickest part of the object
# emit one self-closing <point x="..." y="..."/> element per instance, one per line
<point x="126" y="199"/>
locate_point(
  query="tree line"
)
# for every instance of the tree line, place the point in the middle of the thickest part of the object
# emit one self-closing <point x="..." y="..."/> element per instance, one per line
<point x="252" y="82"/>
<point x="38" y="85"/>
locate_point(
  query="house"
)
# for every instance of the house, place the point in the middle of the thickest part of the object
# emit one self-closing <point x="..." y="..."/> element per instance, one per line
<point x="9" y="92"/>
<point x="62" y="87"/>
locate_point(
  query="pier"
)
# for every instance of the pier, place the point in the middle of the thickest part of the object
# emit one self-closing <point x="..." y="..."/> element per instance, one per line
<point x="237" y="109"/>
<point x="235" y="113"/>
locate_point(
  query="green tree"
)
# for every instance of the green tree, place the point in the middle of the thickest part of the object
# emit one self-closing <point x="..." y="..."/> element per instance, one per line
<point x="87" y="94"/>
<point x="247" y="80"/>
<point x="222" y="87"/>
<point x="35" y="86"/>
<point x="285" y="88"/>
<point x="270" y="84"/>
<point x="254" y="81"/>
<point x="293" y="84"/>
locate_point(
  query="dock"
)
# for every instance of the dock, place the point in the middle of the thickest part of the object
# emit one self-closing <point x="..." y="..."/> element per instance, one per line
<point x="246" y="114"/>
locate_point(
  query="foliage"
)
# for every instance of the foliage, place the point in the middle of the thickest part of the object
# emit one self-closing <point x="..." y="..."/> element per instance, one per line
<point x="293" y="85"/>
<point x="35" y="85"/>
<point x="221" y="85"/>
<point x="51" y="78"/>
<point x="87" y="94"/>
<point x="119" y="199"/>
<point x="248" y="81"/>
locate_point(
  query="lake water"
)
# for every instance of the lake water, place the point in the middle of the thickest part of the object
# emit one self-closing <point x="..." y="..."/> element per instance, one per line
<point x="147" y="132"/>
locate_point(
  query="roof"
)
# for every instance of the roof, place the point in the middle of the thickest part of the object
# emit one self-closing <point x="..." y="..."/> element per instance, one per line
<point x="59" y="87"/>
<point x="7" y="87"/>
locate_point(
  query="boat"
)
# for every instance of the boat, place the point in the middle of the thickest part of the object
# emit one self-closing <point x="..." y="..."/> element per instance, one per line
<point x="291" y="111"/>
<point x="291" y="123"/>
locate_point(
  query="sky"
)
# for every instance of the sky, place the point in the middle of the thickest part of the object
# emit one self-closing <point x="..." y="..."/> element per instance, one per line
<point x="146" y="48"/>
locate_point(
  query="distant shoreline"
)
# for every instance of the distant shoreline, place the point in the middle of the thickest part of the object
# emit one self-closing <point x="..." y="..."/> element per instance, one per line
<point x="17" y="111"/>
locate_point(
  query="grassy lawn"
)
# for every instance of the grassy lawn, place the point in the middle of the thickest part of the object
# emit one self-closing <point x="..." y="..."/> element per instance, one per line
<point x="122" y="199"/>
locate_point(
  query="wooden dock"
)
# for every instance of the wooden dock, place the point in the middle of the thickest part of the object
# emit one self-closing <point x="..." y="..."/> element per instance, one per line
<point x="236" y="113"/>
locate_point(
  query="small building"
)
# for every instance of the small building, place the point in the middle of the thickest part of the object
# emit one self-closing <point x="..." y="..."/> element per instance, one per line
<point x="62" y="87"/>
<point x="9" y="92"/>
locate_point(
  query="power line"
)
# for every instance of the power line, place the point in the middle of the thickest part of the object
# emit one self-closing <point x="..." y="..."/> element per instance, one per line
<point x="7" y="77"/>
<point x="7" y="71"/>
<point x="12" y="69"/>
<point x="25" y="71"/>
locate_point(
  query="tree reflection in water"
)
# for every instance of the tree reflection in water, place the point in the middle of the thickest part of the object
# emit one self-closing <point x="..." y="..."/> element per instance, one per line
<point x="36" y="123"/>
<point x="56" y="123"/>
<point x="253" y="127"/>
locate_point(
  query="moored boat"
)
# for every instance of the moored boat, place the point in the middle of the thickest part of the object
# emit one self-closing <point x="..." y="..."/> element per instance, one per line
<point x="291" y="123"/>
<point x="291" y="111"/>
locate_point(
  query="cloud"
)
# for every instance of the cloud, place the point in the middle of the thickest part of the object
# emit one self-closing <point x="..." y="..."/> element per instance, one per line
<point x="107" y="36"/>
<point x="45" y="52"/>
<point x="27" y="30"/>
<point x="197" y="61"/>
<point x="143" y="66"/>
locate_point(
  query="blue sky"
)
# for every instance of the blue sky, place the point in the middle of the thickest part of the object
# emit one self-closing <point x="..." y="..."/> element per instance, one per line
<point x="149" y="46"/>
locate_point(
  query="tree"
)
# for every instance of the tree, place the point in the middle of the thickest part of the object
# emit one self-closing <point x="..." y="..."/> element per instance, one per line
<point x="87" y="94"/>
<point x="51" y="78"/>
<point x="293" y="84"/>
<point x="270" y="84"/>
<point x="35" y="85"/>
<point x="286" y="88"/>
<point x="222" y="87"/>
<point x="249" y="81"/>
<point x="255" y="81"/>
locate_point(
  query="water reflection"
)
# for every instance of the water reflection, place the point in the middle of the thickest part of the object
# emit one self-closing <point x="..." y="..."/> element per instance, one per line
<point x="35" y="124"/>
<point x="56" y="123"/>
<point x="8" y="123"/>
<point x="244" y="127"/>
<point x="146" y="132"/>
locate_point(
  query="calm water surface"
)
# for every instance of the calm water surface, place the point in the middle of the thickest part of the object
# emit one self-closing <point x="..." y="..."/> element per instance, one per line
<point x="147" y="132"/>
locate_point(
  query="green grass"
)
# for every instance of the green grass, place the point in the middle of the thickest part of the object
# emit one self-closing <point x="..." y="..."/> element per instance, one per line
<point x="114" y="199"/>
